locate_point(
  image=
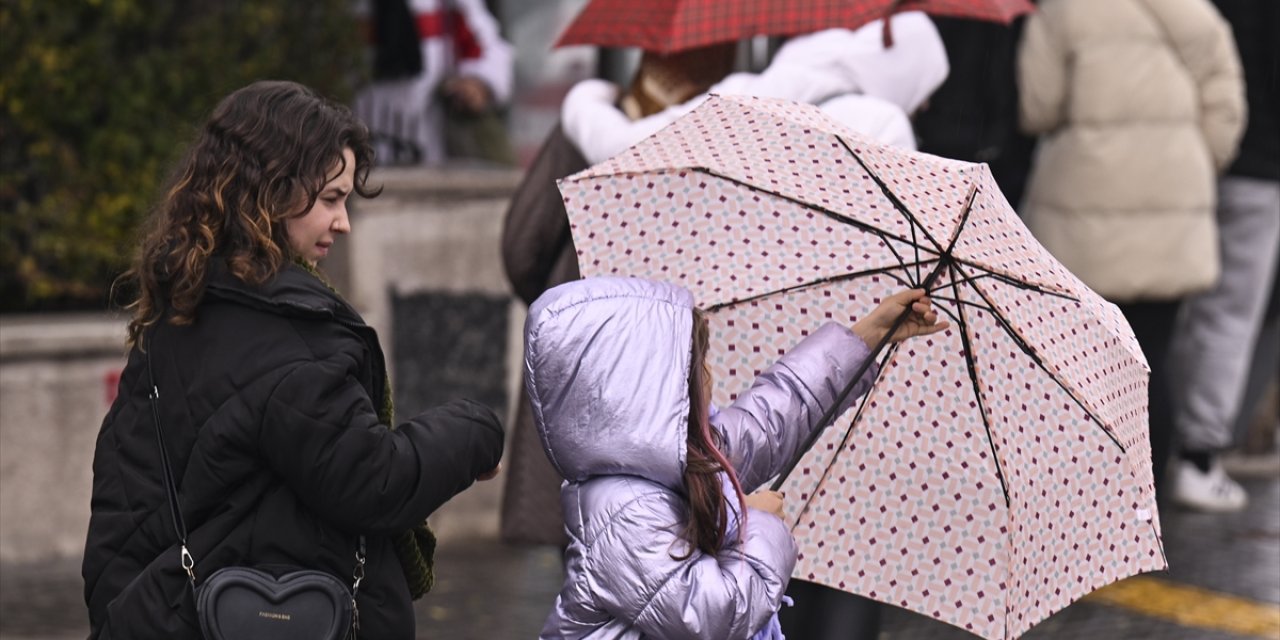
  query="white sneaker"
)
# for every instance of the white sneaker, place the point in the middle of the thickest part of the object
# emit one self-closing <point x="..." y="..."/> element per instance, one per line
<point x="1214" y="491"/>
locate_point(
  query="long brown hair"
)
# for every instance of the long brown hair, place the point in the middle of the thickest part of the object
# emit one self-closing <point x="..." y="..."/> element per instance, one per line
<point x="262" y="157"/>
<point x="663" y="80"/>
<point x="708" y="512"/>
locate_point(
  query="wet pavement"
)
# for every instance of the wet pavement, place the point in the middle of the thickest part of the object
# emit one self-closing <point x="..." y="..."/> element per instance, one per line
<point x="1224" y="583"/>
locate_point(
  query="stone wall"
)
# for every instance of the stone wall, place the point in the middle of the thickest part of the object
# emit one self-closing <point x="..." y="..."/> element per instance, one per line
<point x="57" y="378"/>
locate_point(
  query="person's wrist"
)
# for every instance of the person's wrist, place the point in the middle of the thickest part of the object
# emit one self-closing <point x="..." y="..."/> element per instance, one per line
<point x="869" y="334"/>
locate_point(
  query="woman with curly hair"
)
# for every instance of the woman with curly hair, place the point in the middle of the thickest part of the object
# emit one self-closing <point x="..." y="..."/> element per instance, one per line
<point x="273" y="394"/>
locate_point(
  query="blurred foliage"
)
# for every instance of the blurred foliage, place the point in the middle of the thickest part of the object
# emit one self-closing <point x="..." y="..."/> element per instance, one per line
<point x="99" y="98"/>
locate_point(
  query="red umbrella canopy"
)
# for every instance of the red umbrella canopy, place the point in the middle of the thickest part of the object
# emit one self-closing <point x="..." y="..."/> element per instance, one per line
<point x="667" y="26"/>
<point x="996" y="471"/>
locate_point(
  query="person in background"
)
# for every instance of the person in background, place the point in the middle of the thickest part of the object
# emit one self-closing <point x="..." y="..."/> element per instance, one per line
<point x="271" y="391"/>
<point x="441" y="72"/>
<point x="1140" y="105"/>
<point x="1219" y="327"/>
<point x="663" y="541"/>
<point x="973" y="116"/>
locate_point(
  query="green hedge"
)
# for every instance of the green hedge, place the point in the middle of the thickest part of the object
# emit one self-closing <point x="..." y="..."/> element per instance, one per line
<point x="99" y="97"/>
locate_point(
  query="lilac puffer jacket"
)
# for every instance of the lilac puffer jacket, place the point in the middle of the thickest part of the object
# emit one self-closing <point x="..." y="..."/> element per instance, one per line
<point x="607" y="363"/>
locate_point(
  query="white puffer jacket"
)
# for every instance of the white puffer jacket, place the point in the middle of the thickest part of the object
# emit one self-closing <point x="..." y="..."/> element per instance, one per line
<point x="1141" y="103"/>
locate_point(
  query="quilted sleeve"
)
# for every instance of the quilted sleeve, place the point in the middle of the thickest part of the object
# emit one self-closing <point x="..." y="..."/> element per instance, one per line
<point x="765" y="426"/>
<point x="321" y="435"/>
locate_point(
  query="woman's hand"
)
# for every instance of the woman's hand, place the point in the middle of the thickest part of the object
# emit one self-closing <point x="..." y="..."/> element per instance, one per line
<point x="765" y="500"/>
<point x="922" y="320"/>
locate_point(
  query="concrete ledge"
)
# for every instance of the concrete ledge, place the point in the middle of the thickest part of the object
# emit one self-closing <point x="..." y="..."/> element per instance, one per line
<point x="58" y="374"/>
<point x="419" y="185"/>
<point x="61" y="336"/>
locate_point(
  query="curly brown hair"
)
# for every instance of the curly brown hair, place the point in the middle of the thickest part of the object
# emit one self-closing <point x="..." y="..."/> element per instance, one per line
<point x="262" y="157"/>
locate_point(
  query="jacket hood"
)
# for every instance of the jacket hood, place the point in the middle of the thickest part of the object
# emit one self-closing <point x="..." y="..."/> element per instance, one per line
<point x="606" y="368"/>
<point x="906" y="73"/>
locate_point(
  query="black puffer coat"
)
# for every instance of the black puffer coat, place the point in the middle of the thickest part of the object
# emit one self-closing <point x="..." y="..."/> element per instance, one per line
<point x="269" y="403"/>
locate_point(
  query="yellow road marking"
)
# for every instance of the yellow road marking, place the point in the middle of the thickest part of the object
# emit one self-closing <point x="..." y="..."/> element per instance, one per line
<point x="1192" y="606"/>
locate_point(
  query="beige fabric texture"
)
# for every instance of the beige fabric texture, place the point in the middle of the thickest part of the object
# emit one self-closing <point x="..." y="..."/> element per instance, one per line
<point x="1140" y="104"/>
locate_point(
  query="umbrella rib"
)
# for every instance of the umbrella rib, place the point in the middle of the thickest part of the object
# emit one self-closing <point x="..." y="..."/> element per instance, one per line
<point x="838" y="217"/>
<point x="977" y="394"/>
<point x="1026" y="348"/>
<point x="902" y="261"/>
<point x="949" y="253"/>
<point x="914" y="223"/>
<point x="957" y="301"/>
<point x="1156" y="533"/>
<point x="886" y="271"/>
<point x="945" y="310"/>
<point x="916" y="249"/>
<point x="844" y="440"/>
<point x="1010" y="280"/>
<point x="897" y="204"/>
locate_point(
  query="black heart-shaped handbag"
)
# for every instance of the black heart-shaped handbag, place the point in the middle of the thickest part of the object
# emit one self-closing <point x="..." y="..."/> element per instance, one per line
<point x="272" y="602"/>
<point x="236" y="603"/>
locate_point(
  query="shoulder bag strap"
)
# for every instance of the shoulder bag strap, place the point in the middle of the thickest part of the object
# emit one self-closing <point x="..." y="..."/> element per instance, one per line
<point x="175" y="511"/>
<point x="170" y="487"/>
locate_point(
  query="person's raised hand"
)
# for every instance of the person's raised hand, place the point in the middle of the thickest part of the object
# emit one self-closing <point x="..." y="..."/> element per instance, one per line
<point x="922" y="320"/>
<point x="768" y="501"/>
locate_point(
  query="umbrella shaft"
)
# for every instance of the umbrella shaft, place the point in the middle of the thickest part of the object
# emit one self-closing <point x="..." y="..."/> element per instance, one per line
<point x="943" y="262"/>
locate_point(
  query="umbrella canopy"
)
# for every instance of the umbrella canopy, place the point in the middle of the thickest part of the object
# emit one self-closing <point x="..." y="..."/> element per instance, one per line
<point x="996" y="471"/>
<point x="667" y="26"/>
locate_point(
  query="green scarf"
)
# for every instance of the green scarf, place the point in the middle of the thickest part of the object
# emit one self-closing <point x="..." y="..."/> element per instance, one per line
<point x="416" y="547"/>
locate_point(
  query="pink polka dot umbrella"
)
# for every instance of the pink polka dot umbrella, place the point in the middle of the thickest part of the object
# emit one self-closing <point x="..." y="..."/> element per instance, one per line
<point x="996" y="471"/>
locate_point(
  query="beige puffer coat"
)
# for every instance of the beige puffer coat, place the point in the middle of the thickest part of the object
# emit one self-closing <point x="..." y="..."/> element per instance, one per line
<point x="1141" y="103"/>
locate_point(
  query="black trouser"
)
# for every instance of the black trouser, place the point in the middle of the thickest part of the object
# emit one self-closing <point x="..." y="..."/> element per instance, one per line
<point x="1153" y="324"/>
<point x="823" y="613"/>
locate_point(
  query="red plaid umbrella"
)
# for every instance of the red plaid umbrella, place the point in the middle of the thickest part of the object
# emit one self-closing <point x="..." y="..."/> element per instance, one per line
<point x="667" y="26"/>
